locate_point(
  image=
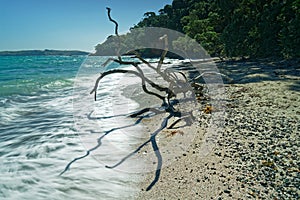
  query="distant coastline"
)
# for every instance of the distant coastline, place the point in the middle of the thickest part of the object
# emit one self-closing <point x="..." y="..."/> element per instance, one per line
<point x="45" y="52"/>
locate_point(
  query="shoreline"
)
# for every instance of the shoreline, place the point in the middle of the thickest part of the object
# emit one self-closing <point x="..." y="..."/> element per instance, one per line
<point x="254" y="155"/>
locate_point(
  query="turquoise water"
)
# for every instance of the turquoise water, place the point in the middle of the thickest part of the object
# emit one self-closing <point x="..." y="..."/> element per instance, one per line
<point x="30" y="75"/>
<point x="38" y="137"/>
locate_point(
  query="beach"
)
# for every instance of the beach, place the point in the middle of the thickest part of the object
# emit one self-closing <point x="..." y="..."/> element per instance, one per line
<point x="53" y="146"/>
<point x="256" y="155"/>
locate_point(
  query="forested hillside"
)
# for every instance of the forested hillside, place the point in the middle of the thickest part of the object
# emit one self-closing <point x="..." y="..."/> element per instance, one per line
<point x="236" y="28"/>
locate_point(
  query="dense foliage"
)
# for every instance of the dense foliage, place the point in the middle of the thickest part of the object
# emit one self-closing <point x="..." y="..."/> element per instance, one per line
<point x="236" y="28"/>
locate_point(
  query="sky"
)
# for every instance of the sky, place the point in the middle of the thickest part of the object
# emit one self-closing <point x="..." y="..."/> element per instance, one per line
<point x="67" y="24"/>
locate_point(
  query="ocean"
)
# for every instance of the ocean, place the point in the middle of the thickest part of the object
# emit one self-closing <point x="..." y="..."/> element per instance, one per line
<point x="44" y="109"/>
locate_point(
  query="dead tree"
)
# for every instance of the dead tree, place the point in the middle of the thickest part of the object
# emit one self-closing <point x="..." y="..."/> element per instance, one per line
<point x="177" y="84"/>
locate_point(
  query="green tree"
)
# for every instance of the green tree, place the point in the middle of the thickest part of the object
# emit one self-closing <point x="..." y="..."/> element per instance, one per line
<point x="289" y="35"/>
<point x="204" y="24"/>
<point x="235" y="28"/>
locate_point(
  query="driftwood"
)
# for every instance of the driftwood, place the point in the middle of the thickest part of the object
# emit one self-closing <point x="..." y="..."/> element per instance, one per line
<point x="177" y="84"/>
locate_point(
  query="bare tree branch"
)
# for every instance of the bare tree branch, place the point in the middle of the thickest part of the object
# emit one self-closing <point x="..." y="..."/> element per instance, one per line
<point x="112" y="20"/>
<point x="116" y="31"/>
<point x="163" y="55"/>
<point x="144" y="80"/>
<point x="143" y="60"/>
<point x="177" y="82"/>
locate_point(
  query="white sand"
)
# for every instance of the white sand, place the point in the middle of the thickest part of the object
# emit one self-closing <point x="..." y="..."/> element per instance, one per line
<point x="257" y="153"/>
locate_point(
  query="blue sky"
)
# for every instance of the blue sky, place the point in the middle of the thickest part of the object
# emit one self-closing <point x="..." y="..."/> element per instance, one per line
<point x="67" y="24"/>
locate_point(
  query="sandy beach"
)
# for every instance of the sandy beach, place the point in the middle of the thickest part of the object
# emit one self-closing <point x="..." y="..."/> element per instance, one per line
<point x="256" y="155"/>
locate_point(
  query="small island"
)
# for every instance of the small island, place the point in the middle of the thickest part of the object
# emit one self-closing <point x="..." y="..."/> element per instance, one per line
<point x="45" y="52"/>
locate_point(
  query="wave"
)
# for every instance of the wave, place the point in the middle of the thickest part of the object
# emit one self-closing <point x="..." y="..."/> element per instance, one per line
<point x="38" y="133"/>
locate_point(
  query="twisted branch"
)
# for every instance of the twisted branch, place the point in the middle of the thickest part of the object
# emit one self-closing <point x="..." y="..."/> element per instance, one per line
<point x="116" y="31"/>
<point x="177" y="86"/>
<point x="144" y="80"/>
